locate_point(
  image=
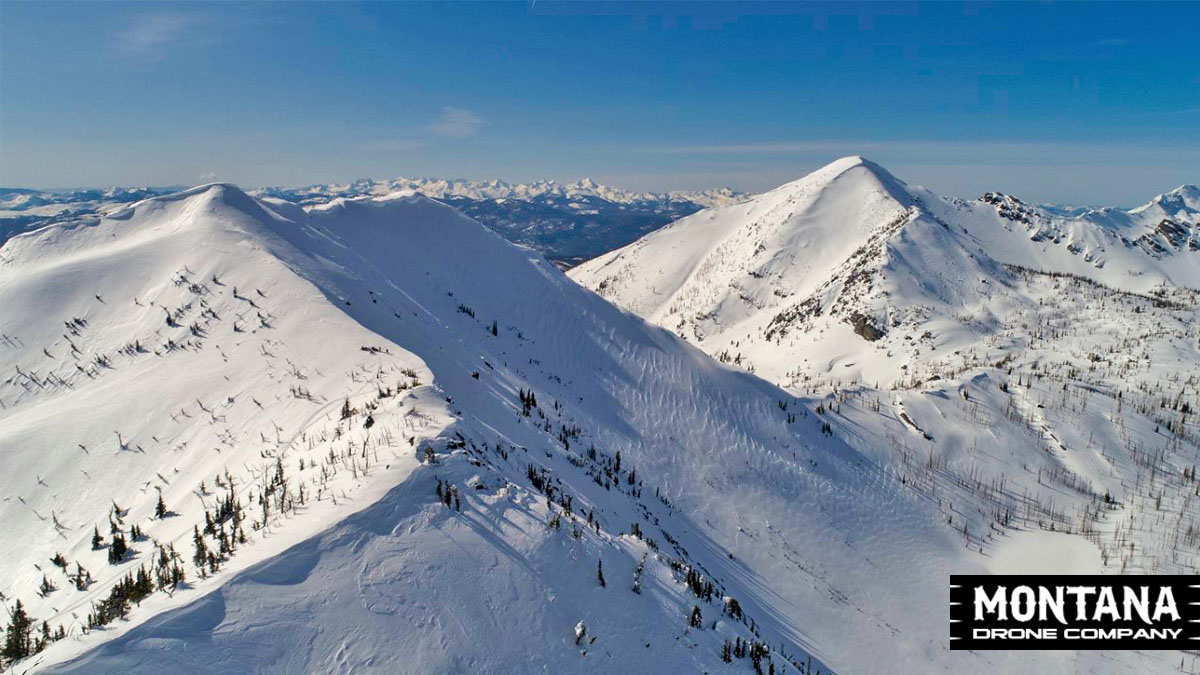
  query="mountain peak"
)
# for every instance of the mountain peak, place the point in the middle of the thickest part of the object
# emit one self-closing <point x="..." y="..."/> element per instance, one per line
<point x="856" y="173"/>
<point x="851" y="162"/>
<point x="1188" y="194"/>
<point x="203" y="207"/>
<point x="1183" y="201"/>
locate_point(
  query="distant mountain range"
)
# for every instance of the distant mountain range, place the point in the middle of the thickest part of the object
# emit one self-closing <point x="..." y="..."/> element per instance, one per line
<point x="568" y="222"/>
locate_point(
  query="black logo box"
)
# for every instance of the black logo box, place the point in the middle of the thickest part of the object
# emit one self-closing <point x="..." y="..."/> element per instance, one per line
<point x="969" y="632"/>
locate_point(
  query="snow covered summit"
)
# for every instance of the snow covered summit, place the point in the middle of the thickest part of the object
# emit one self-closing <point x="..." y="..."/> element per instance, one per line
<point x="858" y="251"/>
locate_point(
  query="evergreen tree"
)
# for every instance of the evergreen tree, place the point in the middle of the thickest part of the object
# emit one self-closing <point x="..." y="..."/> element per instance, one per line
<point x="696" y="619"/>
<point x="17" y="642"/>
<point x="200" y="557"/>
<point x="118" y="549"/>
<point x="97" y="540"/>
<point x="733" y="608"/>
<point x="160" y="509"/>
<point x="600" y="573"/>
<point x="758" y="651"/>
<point x="528" y="401"/>
<point x="82" y="577"/>
<point x="46" y="637"/>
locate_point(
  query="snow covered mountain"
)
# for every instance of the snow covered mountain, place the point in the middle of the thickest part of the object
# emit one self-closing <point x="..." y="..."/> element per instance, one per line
<point x="568" y="222"/>
<point x="984" y="342"/>
<point x="372" y="435"/>
<point x="793" y="282"/>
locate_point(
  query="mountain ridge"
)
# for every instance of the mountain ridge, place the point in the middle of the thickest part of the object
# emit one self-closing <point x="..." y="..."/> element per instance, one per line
<point x="569" y="222"/>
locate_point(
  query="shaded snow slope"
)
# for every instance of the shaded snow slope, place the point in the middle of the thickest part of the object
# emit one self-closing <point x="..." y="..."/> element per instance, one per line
<point x="552" y="439"/>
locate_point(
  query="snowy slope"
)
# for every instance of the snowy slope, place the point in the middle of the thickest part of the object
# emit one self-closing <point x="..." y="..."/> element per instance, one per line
<point x="818" y="534"/>
<point x="108" y="403"/>
<point x="23" y="209"/>
<point x="1019" y="368"/>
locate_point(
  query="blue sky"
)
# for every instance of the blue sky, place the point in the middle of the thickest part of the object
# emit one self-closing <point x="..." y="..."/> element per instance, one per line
<point x="1079" y="102"/>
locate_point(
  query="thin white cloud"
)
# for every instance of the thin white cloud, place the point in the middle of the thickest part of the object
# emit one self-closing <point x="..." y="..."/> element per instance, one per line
<point x="456" y="123"/>
<point x="149" y="37"/>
